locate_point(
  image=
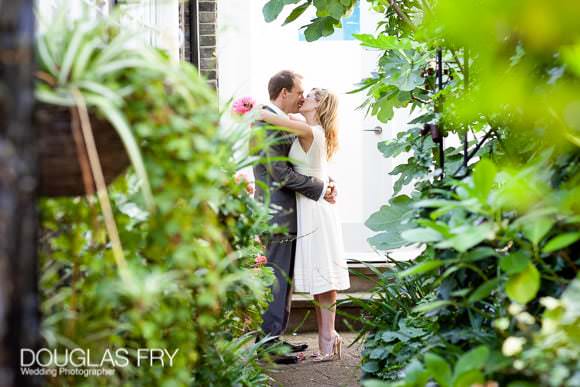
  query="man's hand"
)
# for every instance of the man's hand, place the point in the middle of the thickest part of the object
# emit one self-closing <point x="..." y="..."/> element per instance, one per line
<point x="331" y="193"/>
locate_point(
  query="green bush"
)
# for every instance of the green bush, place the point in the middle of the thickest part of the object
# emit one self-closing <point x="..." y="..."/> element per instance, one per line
<point x="189" y="230"/>
<point x="498" y="213"/>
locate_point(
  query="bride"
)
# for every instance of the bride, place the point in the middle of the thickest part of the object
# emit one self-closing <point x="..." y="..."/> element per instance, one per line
<point x="320" y="266"/>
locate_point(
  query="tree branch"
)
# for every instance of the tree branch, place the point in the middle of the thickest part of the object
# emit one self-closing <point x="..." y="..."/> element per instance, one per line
<point x="401" y="14"/>
<point x="473" y="153"/>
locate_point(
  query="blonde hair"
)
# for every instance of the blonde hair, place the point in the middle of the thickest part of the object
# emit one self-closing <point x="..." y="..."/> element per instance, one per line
<point x="328" y="114"/>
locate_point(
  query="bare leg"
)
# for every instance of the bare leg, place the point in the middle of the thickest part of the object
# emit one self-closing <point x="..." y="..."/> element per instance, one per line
<point x="318" y="318"/>
<point x="326" y="330"/>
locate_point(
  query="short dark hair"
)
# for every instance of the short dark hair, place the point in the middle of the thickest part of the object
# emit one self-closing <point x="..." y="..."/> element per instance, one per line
<point x="281" y="80"/>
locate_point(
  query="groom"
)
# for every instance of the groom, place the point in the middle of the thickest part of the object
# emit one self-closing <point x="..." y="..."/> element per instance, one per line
<point x="286" y="96"/>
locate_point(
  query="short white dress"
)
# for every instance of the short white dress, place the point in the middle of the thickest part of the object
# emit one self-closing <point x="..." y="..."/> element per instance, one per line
<point x="320" y="264"/>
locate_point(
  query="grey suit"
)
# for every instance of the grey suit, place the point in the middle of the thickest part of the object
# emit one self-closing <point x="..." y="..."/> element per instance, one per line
<point x="283" y="183"/>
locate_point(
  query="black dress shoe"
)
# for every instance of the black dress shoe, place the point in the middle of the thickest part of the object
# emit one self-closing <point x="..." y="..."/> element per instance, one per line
<point x="288" y="359"/>
<point x="299" y="347"/>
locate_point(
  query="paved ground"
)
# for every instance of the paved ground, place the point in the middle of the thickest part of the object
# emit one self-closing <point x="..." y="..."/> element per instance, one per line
<point x="339" y="373"/>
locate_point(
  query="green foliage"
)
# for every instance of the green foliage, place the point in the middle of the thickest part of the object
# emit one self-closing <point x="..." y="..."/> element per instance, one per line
<point x="191" y="283"/>
<point x="498" y="215"/>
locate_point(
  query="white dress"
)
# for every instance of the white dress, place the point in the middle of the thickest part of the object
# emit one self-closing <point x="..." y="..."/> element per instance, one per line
<point x="320" y="264"/>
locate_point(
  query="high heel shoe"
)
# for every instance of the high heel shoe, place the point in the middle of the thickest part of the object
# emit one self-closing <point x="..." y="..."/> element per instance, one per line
<point x="335" y="354"/>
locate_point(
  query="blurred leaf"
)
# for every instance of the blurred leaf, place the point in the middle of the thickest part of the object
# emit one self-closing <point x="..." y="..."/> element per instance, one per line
<point x="421" y="235"/>
<point x="475" y="359"/>
<point x="439" y="369"/>
<point x="483" y="291"/>
<point x="421" y="268"/>
<point x="561" y="241"/>
<point x="535" y="228"/>
<point x="483" y="178"/>
<point x="523" y="287"/>
<point x="515" y="262"/>
<point x="384" y="42"/>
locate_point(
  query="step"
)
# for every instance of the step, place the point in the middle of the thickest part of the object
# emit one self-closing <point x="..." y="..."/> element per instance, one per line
<point x="303" y="317"/>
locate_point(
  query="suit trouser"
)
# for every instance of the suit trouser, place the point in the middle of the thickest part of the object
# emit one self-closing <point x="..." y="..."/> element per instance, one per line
<point x="281" y="251"/>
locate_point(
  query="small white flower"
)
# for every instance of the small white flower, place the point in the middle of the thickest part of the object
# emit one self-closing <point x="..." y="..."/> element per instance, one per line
<point x="550" y="302"/>
<point x="515" y="309"/>
<point x="519" y="365"/>
<point x="513" y="345"/>
<point x="526" y="318"/>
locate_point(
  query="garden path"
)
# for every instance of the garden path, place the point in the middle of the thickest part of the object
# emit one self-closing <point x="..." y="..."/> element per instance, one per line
<point x="339" y="373"/>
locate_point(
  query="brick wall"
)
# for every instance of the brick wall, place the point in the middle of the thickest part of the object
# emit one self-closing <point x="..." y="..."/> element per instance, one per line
<point x="206" y="20"/>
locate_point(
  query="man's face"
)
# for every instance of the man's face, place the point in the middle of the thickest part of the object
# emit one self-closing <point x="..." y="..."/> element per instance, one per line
<point x="295" y="97"/>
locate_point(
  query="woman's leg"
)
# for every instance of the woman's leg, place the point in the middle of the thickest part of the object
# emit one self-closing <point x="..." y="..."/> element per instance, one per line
<point x="327" y="306"/>
<point x="318" y="319"/>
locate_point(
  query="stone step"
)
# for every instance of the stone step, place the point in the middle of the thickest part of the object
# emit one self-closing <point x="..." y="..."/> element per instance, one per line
<point x="363" y="278"/>
<point x="303" y="317"/>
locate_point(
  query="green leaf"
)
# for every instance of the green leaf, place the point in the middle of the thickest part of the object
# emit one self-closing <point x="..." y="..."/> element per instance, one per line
<point x="424" y="308"/>
<point x="468" y="236"/>
<point x="439" y="369"/>
<point x="483" y="290"/>
<point x="391" y="148"/>
<point x="421" y="268"/>
<point x="272" y="9"/>
<point x="469" y="378"/>
<point x="535" y="228"/>
<point x="421" y="235"/>
<point x="479" y="253"/>
<point x="561" y="241"/>
<point x="387" y="240"/>
<point x="370" y="366"/>
<point x="523" y="287"/>
<point x="116" y="118"/>
<point x="296" y="12"/>
<point x="472" y="360"/>
<point x="483" y="178"/>
<point x="383" y="42"/>
<point x="398" y="211"/>
<point x="514" y="263"/>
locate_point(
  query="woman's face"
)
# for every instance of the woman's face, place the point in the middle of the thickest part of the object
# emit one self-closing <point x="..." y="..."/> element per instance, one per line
<point x="310" y="103"/>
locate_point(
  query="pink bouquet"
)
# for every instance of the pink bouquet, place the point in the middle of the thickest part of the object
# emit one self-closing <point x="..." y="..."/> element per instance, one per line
<point x="243" y="105"/>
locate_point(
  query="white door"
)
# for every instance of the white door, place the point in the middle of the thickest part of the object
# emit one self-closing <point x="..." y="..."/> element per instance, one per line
<point x="250" y="51"/>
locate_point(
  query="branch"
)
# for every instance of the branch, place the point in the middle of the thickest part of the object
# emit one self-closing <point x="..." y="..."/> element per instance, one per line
<point x="473" y="152"/>
<point x="401" y="14"/>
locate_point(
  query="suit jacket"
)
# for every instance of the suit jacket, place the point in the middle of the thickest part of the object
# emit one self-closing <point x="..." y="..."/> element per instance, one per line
<point x="283" y="181"/>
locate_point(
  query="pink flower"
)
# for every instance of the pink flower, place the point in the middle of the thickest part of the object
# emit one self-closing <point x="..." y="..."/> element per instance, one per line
<point x="261" y="260"/>
<point x="243" y="105"/>
<point x="241" y="177"/>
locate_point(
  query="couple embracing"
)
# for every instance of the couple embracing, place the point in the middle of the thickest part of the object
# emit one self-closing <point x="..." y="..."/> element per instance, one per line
<point x="310" y="256"/>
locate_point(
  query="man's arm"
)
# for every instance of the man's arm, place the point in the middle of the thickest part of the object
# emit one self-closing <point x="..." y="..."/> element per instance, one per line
<point x="283" y="173"/>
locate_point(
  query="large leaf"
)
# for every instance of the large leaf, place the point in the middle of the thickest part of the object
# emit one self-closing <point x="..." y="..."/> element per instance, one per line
<point x="439" y="369"/>
<point x="421" y="235"/>
<point x="523" y="287"/>
<point x="472" y="360"/>
<point x="483" y="178"/>
<point x="403" y="69"/>
<point x="320" y="27"/>
<point x="536" y="227"/>
<point x="399" y="210"/>
<point x="514" y="263"/>
<point x="272" y="8"/>
<point x="468" y="236"/>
